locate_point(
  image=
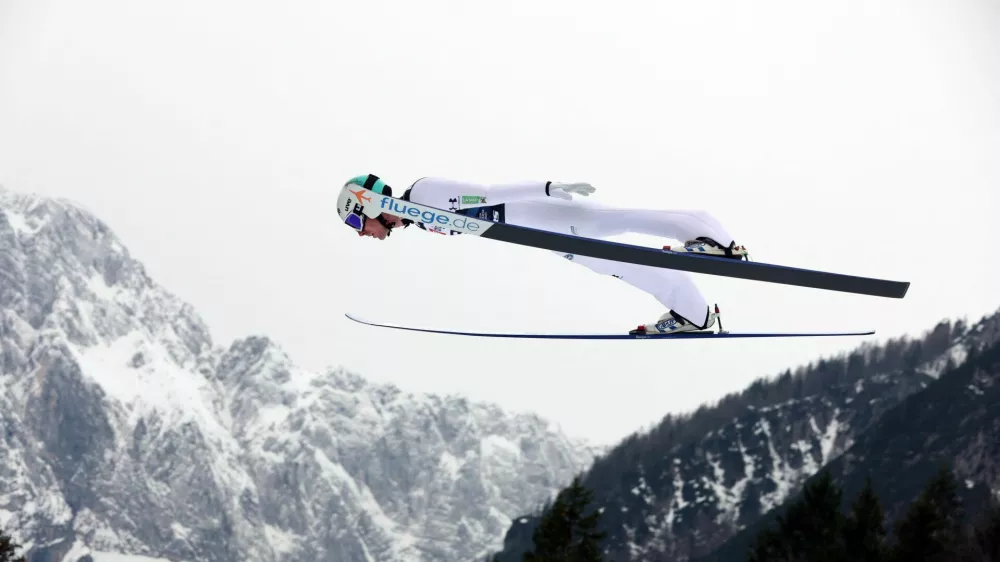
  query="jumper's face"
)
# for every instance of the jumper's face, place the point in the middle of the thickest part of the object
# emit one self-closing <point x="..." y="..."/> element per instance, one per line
<point x="374" y="229"/>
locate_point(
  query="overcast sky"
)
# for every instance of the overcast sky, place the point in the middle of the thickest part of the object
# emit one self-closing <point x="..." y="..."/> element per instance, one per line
<point x="850" y="136"/>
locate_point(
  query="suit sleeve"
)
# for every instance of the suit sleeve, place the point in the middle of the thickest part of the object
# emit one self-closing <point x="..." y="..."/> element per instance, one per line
<point x="450" y="194"/>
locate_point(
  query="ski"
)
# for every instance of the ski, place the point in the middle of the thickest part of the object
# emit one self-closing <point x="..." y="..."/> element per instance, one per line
<point x="706" y="334"/>
<point x="641" y="255"/>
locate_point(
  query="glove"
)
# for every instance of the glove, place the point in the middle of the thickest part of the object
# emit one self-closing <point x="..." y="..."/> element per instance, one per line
<point x="565" y="190"/>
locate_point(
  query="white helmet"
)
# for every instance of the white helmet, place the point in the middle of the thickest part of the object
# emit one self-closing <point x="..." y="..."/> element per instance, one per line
<point x="355" y="194"/>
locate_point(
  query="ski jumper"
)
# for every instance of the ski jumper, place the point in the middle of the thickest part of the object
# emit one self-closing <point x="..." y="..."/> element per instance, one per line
<point x="528" y="204"/>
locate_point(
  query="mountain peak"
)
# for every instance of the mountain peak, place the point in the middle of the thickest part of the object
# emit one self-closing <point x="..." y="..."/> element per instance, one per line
<point x="128" y="430"/>
<point x="65" y="270"/>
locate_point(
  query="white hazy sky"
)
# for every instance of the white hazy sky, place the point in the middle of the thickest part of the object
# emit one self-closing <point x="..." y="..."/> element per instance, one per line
<point x="850" y="136"/>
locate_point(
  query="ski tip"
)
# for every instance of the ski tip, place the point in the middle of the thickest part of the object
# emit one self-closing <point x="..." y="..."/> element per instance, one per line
<point x="359" y="320"/>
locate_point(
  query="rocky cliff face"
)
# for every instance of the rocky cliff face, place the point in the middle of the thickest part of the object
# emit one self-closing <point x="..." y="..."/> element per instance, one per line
<point x="125" y="428"/>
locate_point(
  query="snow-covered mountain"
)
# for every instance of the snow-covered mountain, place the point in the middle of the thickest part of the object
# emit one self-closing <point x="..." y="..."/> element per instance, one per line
<point x="124" y="428"/>
<point x="686" y="487"/>
<point x="953" y="422"/>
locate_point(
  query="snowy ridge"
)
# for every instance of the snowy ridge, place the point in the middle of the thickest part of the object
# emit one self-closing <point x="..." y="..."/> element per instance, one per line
<point x="949" y="422"/>
<point x="678" y="498"/>
<point x="753" y="464"/>
<point x="125" y="429"/>
<point x="748" y="466"/>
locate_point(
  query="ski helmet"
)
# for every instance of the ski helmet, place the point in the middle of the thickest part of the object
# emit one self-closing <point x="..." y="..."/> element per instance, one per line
<point x="353" y="197"/>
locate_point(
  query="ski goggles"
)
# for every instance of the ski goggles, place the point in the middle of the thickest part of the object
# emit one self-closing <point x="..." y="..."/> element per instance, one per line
<point x="355" y="220"/>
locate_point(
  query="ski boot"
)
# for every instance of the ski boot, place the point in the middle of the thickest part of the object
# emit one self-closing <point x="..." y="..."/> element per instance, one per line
<point x="672" y="323"/>
<point x="704" y="245"/>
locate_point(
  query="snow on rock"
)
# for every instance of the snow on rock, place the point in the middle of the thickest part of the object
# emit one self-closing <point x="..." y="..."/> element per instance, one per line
<point x="124" y="428"/>
<point x="115" y="557"/>
<point x="954" y="357"/>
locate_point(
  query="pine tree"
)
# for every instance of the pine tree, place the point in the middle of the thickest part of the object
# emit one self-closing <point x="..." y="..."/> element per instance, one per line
<point x="8" y="549"/>
<point x="983" y="541"/>
<point x="564" y="533"/>
<point x="864" y="530"/>
<point x="768" y="546"/>
<point x="931" y="530"/>
<point x="811" y="529"/>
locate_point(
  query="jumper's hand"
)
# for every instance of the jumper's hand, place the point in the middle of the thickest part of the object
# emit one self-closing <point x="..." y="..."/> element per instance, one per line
<point x="565" y="190"/>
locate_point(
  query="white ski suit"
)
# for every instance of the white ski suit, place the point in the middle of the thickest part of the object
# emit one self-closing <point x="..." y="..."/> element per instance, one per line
<point x="529" y="204"/>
